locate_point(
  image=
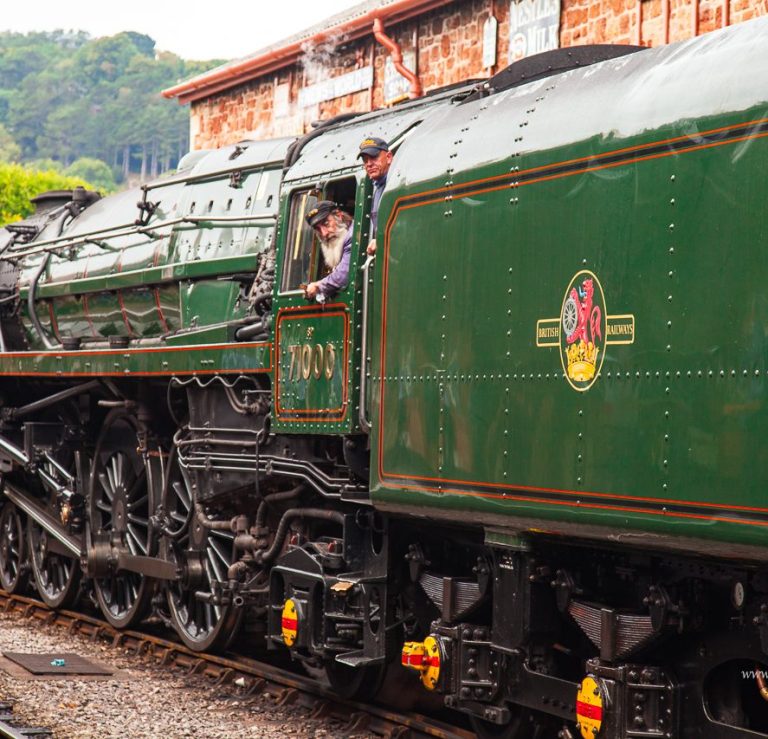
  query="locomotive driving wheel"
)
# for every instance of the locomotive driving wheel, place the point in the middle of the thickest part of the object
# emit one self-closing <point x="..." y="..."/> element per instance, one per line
<point x="201" y="620"/>
<point x="13" y="567"/>
<point x="56" y="573"/>
<point x="122" y="491"/>
<point x="355" y="683"/>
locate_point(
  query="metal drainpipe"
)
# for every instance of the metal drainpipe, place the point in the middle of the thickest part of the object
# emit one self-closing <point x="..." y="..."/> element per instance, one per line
<point x="397" y="58"/>
<point x="695" y="29"/>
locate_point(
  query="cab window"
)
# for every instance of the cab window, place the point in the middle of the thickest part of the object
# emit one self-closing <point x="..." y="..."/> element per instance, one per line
<point x="300" y="244"/>
<point x="303" y="261"/>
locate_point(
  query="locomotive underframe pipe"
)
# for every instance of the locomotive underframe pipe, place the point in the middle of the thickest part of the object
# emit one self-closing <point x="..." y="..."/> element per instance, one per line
<point x="278" y="497"/>
<point x="31" y="303"/>
<point x="38" y="405"/>
<point x="328" y="487"/>
<point x="212" y="524"/>
<point x="249" y="544"/>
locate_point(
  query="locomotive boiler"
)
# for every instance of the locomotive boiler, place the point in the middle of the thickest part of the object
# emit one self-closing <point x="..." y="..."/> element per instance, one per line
<point x="518" y="459"/>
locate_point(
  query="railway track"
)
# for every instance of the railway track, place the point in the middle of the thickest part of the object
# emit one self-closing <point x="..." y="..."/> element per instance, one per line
<point x="10" y="728"/>
<point x="249" y="676"/>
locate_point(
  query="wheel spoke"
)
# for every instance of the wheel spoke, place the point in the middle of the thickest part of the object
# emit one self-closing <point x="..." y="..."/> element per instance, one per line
<point x="137" y="485"/>
<point x="214" y="565"/>
<point x="107" y="486"/>
<point x="140" y="541"/>
<point x="222" y="549"/>
<point x="182" y="494"/>
<point x="112" y="474"/>
<point x="119" y="468"/>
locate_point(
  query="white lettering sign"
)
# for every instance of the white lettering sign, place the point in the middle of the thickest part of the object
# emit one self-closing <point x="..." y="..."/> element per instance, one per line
<point x="336" y="87"/>
<point x="490" y="28"/>
<point x="534" y="26"/>
<point x="396" y="87"/>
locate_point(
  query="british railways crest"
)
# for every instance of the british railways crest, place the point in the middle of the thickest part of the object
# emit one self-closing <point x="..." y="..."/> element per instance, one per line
<point x="583" y="330"/>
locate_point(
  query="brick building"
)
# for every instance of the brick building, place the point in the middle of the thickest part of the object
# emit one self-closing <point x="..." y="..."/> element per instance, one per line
<point x="381" y="51"/>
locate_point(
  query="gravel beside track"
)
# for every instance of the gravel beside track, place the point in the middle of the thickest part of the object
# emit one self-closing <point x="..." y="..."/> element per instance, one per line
<point x="140" y="700"/>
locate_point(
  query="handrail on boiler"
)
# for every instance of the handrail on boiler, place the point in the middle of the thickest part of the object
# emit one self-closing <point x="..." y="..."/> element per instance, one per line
<point x="362" y="415"/>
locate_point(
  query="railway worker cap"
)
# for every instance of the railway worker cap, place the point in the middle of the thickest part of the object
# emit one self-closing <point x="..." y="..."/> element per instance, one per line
<point x="372" y="146"/>
<point x="321" y="211"/>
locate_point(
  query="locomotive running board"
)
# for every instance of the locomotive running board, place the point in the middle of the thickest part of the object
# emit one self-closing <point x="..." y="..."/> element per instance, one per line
<point x="38" y="514"/>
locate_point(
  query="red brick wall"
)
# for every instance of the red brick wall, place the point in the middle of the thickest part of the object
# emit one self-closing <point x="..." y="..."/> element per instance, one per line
<point x="448" y="45"/>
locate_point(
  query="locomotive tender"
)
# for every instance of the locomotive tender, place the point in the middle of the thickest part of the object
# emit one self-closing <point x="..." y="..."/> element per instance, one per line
<point x="520" y="455"/>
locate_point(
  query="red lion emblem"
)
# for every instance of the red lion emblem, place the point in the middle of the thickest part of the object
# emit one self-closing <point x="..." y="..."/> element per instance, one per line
<point x="588" y="317"/>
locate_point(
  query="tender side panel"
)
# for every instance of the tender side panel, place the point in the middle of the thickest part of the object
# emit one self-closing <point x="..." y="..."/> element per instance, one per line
<point x="483" y="409"/>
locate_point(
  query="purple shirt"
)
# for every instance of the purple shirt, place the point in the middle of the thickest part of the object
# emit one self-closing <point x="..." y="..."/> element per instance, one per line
<point x="339" y="277"/>
<point x="378" y="191"/>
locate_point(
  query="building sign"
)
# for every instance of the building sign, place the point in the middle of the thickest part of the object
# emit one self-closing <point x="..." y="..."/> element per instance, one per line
<point x="534" y="26"/>
<point x="396" y="87"/>
<point x="490" y="28"/>
<point x="336" y="87"/>
<point x="281" y="104"/>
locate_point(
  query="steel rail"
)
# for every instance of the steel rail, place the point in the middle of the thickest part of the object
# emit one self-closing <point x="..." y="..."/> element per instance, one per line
<point x="10" y="727"/>
<point x="248" y="674"/>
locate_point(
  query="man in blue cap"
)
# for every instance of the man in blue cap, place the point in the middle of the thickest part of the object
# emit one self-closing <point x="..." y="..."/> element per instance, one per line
<point x="334" y="231"/>
<point x="377" y="159"/>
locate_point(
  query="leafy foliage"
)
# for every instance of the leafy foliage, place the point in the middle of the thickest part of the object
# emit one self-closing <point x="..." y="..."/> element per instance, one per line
<point x="18" y="185"/>
<point x="66" y="96"/>
<point x="10" y="151"/>
<point x="94" y="171"/>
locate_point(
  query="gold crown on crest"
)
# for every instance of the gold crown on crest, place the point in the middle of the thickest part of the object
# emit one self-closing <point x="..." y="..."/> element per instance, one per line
<point x="582" y="360"/>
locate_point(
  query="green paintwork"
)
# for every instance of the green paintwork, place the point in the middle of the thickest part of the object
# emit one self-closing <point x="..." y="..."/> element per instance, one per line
<point x="204" y="301"/>
<point x="106" y="277"/>
<point x="312" y="366"/>
<point x="319" y="405"/>
<point x="471" y="417"/>
<point x="143" y="361"/>
<point x="329" y="159"/>
<point x="166" y="288"/>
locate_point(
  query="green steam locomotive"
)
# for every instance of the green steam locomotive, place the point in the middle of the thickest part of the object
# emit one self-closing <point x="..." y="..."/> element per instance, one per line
<point x="518" y="459"/>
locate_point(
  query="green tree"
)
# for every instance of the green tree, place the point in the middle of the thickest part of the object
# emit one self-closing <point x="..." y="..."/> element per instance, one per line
<point x="18" y="185"/>
<point x="64" y="96"/>
<point x="92" y="170"/>
<point x="10" y="151"/>
<point x="43" y="164"/>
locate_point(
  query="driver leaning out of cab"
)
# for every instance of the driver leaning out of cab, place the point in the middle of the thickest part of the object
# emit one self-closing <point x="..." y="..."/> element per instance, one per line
<point x="333" y="227"/>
